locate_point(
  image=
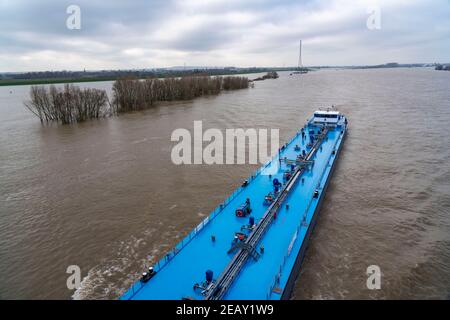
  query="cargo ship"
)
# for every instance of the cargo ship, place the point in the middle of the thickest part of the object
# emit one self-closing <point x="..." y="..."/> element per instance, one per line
<point x="252" y="245"/>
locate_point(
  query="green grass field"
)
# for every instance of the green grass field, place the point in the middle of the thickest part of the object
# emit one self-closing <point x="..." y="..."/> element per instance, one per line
<point x="20" y="82"/>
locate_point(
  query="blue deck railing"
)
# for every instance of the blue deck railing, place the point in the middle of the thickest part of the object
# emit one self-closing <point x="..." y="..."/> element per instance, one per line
<point x="277" y="277"/>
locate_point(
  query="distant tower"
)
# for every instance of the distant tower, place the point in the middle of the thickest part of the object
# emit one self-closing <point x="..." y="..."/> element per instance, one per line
<point x="300" y="64"/>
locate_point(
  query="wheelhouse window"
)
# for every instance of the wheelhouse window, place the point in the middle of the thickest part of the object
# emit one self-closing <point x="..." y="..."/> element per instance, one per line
<point x="325" y="115"/>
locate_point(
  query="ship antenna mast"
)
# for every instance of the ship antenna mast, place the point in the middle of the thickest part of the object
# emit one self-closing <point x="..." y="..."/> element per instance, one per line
<point x="300" y="65"/>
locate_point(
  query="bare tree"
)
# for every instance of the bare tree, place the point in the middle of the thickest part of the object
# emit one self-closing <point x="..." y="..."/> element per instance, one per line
<point x="69" y="104"/>
<point x="131" y="94"/>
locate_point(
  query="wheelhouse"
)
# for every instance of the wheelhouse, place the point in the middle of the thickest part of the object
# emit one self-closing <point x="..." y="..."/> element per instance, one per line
<point x="330" y="117"/>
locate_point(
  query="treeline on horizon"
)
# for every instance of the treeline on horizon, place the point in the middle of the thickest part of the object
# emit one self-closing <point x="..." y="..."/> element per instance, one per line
<point x="142" y="74"/>
<point x="71" y="104"/>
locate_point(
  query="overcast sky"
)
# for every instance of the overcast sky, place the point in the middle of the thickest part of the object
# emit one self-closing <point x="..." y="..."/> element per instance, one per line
<point x="154" y="33"/>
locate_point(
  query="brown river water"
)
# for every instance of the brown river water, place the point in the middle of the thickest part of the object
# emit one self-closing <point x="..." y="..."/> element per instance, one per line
<point x="104" y="195"/>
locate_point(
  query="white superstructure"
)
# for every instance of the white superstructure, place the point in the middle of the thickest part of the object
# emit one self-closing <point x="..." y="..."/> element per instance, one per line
<point x="332" y="117"/>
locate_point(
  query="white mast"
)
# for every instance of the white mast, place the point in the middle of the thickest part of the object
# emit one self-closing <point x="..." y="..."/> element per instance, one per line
<point x="300" y="65"/>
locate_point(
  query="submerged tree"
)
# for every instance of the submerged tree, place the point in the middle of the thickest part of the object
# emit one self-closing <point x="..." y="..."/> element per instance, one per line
<point x="69" y="104"/>
<point x="132" y="94"/>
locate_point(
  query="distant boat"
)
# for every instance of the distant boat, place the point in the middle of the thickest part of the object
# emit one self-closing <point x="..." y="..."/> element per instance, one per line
<point x="300" y="69"/>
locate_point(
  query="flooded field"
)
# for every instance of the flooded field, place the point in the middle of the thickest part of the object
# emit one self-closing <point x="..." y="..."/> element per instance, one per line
<point x="104" y="194"/>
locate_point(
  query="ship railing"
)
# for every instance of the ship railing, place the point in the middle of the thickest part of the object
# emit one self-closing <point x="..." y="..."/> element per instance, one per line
<point x="328" y="162"/>
<point x="311" y="198"/>
<point x="277" y="277"/>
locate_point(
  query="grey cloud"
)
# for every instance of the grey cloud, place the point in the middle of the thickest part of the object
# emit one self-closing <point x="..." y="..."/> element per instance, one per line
<point x="163" y="33"/>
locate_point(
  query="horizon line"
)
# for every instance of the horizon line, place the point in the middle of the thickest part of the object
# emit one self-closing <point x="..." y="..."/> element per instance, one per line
<point x="187" y="68"/>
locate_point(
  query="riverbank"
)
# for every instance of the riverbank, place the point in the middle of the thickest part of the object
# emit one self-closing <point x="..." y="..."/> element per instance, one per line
<point x="23" y="82"/>
<point x="113" y="75"/>
<point x="72" y="104"/>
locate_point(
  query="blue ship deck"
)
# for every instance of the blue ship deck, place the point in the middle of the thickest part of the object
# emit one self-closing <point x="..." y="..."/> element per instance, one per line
<point x="267" y="277"/>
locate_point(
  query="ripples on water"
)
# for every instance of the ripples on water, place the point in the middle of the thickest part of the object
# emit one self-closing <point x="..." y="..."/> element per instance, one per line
<point x="105" y="196"/>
